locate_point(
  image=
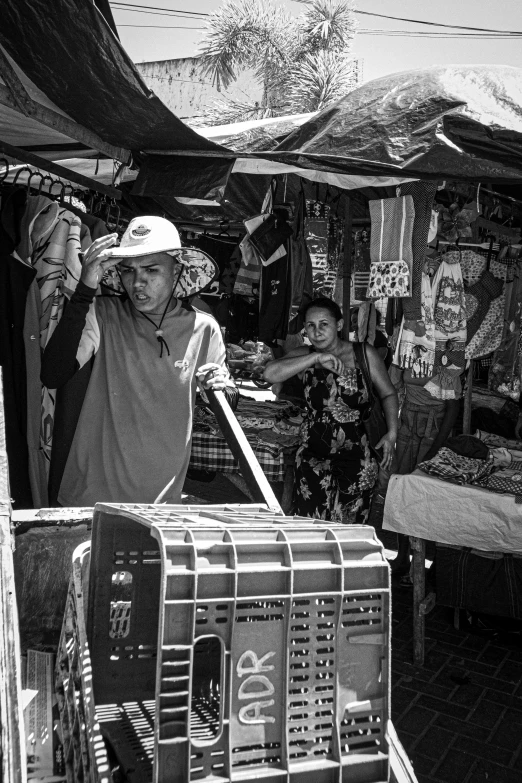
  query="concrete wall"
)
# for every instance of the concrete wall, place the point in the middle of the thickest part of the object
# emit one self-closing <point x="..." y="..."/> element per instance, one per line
<point x="187" y="91"/>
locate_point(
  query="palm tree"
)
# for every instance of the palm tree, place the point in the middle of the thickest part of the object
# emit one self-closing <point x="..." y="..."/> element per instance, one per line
<point x="303" y="63"/>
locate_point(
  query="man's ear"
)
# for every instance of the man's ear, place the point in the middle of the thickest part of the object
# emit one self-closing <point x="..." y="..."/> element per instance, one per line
<point x="340" y="324"/>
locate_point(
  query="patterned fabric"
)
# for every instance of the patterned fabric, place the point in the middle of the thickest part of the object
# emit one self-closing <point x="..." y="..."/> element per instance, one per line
<point x="478" y="298"/>
<point x="450" y="332"/>
<point x="472" y="264"/>
<point x="335" y="471"/>
<point x="507" y="481"/>
<point x="416" y="347"/>
<point x="58" y="268"/>
<point x="388" y="279"/>
<point x="211" y="452"/>
<point x="390" y="246"/>
<point x="489" y="334"/>
<point x="453" y="467"/>
<point x="504" y="375"/>
<point x="497" y="440"/>
<point x="199" y="271"/>
<point x="422" y="194"/>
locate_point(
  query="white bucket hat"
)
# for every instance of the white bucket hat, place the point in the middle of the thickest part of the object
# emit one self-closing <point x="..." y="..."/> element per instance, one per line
<point x="146" y="235"/>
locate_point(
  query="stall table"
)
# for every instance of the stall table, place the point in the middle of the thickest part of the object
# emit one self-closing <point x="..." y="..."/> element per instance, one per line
<point x="426" y="508"/>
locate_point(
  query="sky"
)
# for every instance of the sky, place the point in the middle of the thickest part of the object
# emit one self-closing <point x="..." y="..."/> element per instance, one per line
<point x="382" y="54"/>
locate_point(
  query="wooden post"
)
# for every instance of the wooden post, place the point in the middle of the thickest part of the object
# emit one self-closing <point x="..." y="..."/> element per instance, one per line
<point x="347" y="265"/>
<point x="12" y="742"/>
<point x="468" y="397"/>
<point x="418" y="546"/>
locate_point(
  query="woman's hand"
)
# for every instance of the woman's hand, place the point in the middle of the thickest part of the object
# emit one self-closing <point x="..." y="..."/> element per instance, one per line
<point x="97" y="259"/>
<point x="212" y="376"/>
<point x="387" y="444"/>
<point x="330" y="362"/>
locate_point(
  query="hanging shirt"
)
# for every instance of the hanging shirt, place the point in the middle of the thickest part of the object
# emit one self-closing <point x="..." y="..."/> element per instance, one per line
<point x="134" y="431"/>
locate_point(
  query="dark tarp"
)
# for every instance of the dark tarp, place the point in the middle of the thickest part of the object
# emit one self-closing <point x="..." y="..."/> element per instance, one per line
<point x="68" y="50"/>
<point x="458" y="121"/>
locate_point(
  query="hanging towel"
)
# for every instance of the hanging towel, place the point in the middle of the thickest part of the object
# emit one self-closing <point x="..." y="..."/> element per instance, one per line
<point x="390" y="247"/>
<point x="450" y="331"/>
<point x="416" y="348"/>
<point x="489" y="334"/>
<point x="422" y="194"/>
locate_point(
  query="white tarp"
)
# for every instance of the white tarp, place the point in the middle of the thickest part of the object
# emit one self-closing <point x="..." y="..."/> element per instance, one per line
<point x="422" y="506"/>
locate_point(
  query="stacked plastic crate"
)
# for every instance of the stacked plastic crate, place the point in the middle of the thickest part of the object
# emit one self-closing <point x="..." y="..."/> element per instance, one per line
<point x="251" y="646"/>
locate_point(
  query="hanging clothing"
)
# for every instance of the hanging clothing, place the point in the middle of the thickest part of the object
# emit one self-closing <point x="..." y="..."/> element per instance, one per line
<point x="478" y="297"/>
<point x="15" y="281"/>
<point x="335" y="470"/>
<point x="489" y="334"/>
<point x="301" y="280"/>
<point x="416" y="346"/>
<point x="422" y="194"/>
<point x="274" y="305"/>
<point x="504" y="374"/>
<point x="248" y="277"/>
<point x="450" y="331"/>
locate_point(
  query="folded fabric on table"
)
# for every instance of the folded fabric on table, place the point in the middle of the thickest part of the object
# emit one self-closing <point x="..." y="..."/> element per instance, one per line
<point x="453" y="467"/>
<point x="497" y="440"/>
<point x="507" y="481"/>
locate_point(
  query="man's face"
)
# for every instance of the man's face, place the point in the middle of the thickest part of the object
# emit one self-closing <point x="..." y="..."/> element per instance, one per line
<point x="149" y="280"/>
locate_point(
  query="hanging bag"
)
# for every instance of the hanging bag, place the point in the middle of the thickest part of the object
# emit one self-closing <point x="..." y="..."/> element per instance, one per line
<point x="374" y="423"/>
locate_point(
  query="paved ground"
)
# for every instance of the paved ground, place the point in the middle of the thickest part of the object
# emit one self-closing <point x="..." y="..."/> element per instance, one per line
<point x="460" y="716"/>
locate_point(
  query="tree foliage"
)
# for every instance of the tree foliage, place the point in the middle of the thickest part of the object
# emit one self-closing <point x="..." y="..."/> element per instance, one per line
<point x="303" y="62"/>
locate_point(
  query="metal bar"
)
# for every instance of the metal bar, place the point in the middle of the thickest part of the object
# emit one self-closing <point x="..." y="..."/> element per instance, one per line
<point x="250" y="468"/>
<point x="60" y="171"/>
<point x="198" y="153"/>
<point x="12" y="742"/>
<point x="347" y="265"/>
<point x="15" y="97"/>
<point x="418" y="546"/>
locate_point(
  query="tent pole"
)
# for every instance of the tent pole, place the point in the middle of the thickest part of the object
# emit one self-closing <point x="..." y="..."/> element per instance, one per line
<point x="60" y="171"/>
<point x="347" y="264"/>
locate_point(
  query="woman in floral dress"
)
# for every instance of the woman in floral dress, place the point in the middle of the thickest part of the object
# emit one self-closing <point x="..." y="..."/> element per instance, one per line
<point x="336" y="468"/>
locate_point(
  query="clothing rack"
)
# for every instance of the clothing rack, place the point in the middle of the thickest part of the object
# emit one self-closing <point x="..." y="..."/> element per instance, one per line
<point x="24" y="156"/>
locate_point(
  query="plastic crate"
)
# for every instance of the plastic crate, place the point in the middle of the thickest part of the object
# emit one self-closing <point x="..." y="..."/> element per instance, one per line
<point x="252" y="645"/>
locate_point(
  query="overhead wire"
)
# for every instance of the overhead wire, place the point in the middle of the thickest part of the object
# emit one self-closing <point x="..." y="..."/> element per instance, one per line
<point x="476" y="33"/>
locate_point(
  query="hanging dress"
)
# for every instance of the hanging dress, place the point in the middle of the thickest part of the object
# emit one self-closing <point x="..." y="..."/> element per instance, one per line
<point x="335" y="470"/>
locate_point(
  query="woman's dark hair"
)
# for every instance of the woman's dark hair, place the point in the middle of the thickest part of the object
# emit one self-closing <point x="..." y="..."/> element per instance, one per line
<point x="325" y="304"/>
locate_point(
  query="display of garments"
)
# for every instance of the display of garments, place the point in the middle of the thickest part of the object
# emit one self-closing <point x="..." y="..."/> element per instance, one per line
<point x="416" y="345"/>
<point x="453" y="467"/>
<point x="422" y="194"/>
<point x="507" y="481"/>
<point x="229" y="274"/>
<point x="494" y="441"/>
<point x="450" y="331"/>
<point x="504" y="374"/>
<point x="478" y="298"/>
<point x="335" y="471"/>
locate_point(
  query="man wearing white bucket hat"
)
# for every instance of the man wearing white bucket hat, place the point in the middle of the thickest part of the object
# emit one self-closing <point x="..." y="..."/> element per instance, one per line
<point x="134" y="430"/>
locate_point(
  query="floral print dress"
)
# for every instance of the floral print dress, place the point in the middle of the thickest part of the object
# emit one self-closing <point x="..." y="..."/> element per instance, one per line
<point x="335" y="469"/>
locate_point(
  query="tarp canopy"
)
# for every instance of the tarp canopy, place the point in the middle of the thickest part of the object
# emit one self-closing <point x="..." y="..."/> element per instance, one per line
<point x="67" y="49"/>
<point x="457" y="121"/>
